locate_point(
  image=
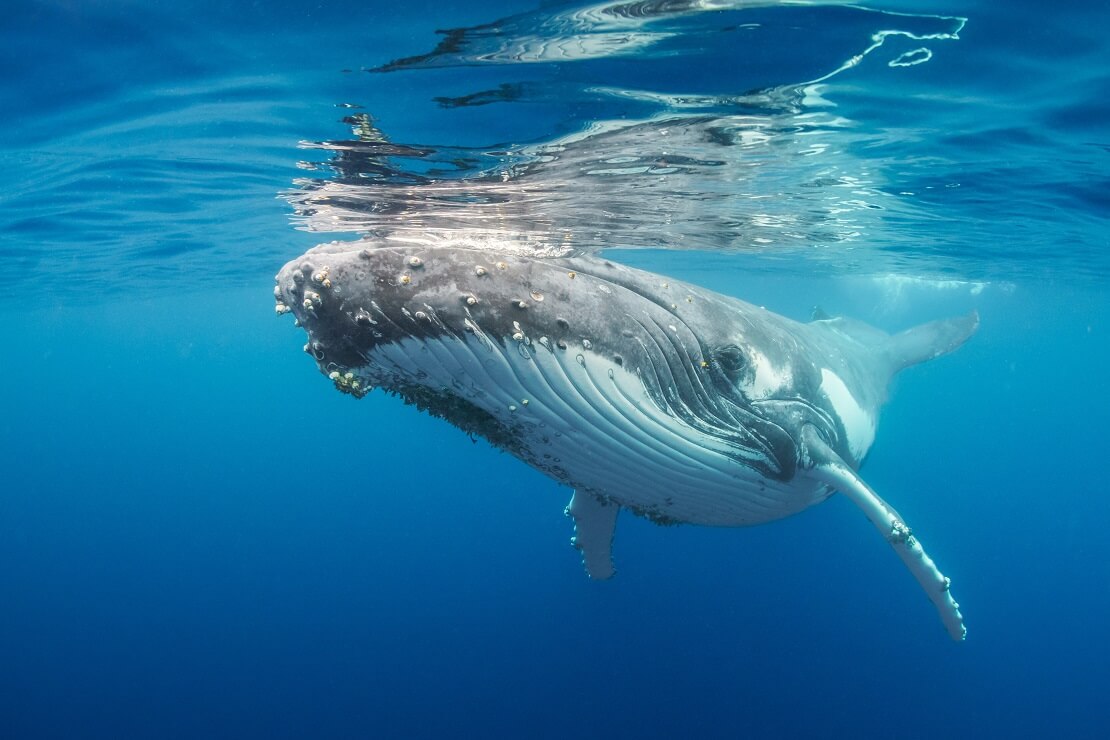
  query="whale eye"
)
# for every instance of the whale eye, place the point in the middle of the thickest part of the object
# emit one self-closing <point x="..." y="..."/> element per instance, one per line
<point x="732" y="361"/>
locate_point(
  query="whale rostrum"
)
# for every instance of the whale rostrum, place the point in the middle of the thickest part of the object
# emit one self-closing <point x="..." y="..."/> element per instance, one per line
<point x="639" y="392"/>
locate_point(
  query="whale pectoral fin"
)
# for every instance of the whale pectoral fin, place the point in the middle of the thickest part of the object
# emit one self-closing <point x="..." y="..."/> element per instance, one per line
<point x="594" y="522"/>
<point x="828" y="467"/>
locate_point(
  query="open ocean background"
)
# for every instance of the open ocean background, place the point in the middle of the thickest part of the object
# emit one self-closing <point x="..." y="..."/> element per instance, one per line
<point x="200" y="538"/>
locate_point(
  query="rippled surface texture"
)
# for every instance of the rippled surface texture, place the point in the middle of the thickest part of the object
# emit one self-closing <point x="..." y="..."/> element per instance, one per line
<point x="870" y="139"/>
<point x="199" y="538"/>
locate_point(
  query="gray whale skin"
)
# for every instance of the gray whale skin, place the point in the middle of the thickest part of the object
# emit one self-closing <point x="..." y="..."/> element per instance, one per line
<point x="639" y="392"/>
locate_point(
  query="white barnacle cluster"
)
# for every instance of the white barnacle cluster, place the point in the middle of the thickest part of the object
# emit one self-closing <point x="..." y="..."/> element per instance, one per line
<point x="279" y="302"/>
<point x="899" y="532"/>
<point x="311" y="300"/>
<point x="321" y="277"/>
<point x="347" y="383"/>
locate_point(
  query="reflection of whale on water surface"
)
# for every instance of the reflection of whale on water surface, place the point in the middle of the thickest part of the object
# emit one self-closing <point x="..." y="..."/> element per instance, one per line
<point x="671" y="401"/>
<point x="578" y="126"/>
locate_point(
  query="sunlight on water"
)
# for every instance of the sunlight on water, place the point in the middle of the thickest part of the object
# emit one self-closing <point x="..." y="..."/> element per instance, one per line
<point x="739" y="182"/>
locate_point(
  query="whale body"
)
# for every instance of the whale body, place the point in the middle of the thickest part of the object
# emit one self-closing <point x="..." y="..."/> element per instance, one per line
<point x="640" y="392"/>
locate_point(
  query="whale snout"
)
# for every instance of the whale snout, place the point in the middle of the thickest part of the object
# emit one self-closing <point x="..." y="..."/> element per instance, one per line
<point x="329" y="291"/>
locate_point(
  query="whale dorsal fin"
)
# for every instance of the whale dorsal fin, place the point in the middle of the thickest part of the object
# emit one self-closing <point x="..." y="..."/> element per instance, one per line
<point x="819" y="314"/>
<point x="930" y="340"/>
<point x="594" y="522"/>
<point x="826" y="466"/>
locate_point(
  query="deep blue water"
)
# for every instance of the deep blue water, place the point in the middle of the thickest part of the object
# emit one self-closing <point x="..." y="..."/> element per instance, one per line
<point x="200" y="538"/>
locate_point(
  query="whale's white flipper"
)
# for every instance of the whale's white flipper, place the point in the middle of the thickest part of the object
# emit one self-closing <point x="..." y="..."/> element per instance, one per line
<point x="829" y="468"/>
<point x="594" y="522"/>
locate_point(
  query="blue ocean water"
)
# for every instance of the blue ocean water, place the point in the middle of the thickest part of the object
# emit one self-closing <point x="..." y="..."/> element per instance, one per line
<point x="200" y="538"/>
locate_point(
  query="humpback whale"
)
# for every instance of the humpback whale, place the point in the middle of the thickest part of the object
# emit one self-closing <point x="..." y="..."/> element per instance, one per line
<point x="639" y="392"/>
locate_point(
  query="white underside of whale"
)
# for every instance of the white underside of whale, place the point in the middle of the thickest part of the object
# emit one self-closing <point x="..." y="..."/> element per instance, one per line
<point x="581" y="412"/>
